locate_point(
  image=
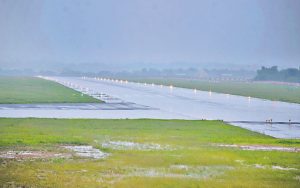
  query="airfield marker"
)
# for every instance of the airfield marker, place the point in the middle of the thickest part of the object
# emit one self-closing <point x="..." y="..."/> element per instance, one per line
<point x="171" y="88"/>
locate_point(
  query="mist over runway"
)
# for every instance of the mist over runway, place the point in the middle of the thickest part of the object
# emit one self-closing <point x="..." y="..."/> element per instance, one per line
<point x="140" y="100"/>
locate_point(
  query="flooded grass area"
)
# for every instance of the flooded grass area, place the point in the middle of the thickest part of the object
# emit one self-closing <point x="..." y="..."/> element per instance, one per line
<point x="87" y="151"/>
<point x="142" y="153"/>
<point x="260" y="147"/>
<point x="125" y="145"/>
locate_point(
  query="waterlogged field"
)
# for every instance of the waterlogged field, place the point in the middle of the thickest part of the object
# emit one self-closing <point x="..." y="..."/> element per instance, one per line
<point x="142" y="153"/>
<point x="286" y="93"/>
<point x="27" y="90"/>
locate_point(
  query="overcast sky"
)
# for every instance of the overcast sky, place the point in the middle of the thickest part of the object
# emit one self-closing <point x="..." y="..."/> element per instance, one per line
<point x="122" y="33"/>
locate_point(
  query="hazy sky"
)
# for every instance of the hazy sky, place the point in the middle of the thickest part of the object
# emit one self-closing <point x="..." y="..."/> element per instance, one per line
<point x="121" y="33"/>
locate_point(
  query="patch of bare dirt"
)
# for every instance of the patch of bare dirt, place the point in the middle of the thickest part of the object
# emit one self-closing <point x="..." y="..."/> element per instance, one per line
<point x="31" y="155"/>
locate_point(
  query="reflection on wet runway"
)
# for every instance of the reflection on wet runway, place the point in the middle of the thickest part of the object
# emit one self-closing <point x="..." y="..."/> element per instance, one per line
<point x="169" y="102"/>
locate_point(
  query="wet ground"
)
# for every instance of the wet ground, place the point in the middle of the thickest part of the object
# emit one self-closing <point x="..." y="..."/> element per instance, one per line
<point x="76" y="106"/>
<point x="138" y="100"/>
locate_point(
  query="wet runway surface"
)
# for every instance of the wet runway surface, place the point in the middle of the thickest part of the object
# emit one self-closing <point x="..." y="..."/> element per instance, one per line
<point x="76" y="106"/>
<point x="139" y="100"/>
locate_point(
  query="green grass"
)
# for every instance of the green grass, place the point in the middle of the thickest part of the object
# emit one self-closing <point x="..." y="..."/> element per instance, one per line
<point x="269" y="91"/>
<point x="192" y="139"/>
<point x="26" y="90"/>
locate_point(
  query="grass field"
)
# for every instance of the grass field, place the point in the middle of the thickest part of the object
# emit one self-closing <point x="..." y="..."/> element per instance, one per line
<point x="189" y="158"/>
<point x="269" y="91"/>
<point x="22" y="90"/>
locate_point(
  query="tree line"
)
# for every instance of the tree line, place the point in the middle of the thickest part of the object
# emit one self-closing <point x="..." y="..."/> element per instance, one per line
<point x="273" y="74"/>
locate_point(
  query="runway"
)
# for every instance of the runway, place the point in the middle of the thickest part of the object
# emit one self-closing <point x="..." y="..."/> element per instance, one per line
<point x="140" y="100"/>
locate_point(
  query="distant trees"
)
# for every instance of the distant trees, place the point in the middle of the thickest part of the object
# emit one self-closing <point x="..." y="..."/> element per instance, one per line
<point x="273" y="74"/>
